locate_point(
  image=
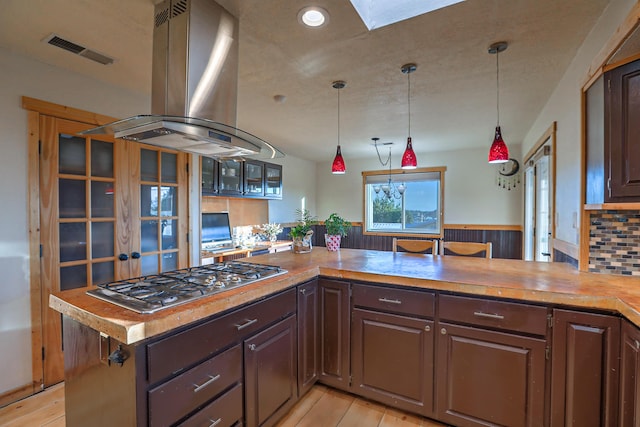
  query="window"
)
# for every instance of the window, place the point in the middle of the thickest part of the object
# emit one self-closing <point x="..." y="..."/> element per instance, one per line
<point x="404" y="202"/>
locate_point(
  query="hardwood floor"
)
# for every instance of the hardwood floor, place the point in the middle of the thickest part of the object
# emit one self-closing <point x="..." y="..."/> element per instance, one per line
<point x="321" y="407"/>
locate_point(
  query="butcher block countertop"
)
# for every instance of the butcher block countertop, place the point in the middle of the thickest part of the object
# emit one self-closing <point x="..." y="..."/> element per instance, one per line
<point x="552" y="283"/>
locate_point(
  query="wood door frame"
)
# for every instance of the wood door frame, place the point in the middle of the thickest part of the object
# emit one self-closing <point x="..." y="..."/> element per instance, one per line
<point x="548" y="136"/>
<point x="35" y="108"/>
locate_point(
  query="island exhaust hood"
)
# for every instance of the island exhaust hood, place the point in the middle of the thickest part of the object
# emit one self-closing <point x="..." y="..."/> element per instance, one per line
<point x="194" y="86"/>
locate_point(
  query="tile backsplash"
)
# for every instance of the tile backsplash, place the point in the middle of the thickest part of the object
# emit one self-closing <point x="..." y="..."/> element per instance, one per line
<point x="614" y="242"/>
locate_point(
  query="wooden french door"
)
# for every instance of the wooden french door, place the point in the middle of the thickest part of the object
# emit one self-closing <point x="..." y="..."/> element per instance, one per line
<point x="109" y="209"/>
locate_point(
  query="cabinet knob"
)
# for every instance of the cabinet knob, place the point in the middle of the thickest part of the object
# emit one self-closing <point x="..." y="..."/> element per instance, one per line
<point x="252" y="347"/>
<point x="135" y="255"/>
<point x="637" y="344"/>
<point x="443" y="331"/>
<point x="427" y="328"/>
<point x="123" y="257"/>
<point x="303" y="291"/>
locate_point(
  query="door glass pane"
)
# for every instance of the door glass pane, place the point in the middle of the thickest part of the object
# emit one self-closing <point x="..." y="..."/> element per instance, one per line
<point x="102" y="239"/>
<point x="73" y="241"/>
<point x="72" y="154"/>
<point x="73" y="277"/>
<point x="169" y="168"/>
<point x="274" y="181"/>
<point x="169" y="234"/>
<point x="149" y="232"/>
<point x="101" y="159"/>
<point x="72" y="198"/>
<point x="102" y="199"/>
<point x="148" y="165"/>
<point x="149" y="265"/>
<point x="170" y="261"/>
<point x="169" y="202"/>
<point x="102" y="272"/>
<point x="230" y="175"/>
<point x="148" y="200"/>
<point x="253" y="179"/>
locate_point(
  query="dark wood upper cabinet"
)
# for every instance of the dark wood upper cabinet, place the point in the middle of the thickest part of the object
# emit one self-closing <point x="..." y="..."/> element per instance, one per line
<point x="621" y="130"/>
<point x="209" y="173"/>
<point x="246" y="178"/>
<point x="584" y="369"/>
<point x="253" y="178"/>
<point x="230" y="178"/>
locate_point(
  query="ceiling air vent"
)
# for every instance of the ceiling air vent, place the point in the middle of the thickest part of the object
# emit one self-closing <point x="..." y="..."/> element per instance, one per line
<point x="72" y="47"/>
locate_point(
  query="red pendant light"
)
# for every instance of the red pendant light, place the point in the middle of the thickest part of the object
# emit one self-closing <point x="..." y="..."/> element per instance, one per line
<point x="498" y="153"/>
<point x="338" y="167"/>
<point x="409" y="159"/>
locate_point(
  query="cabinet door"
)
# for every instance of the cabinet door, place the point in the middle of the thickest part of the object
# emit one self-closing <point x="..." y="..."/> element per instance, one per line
<point x="273" y="181"/>
<point x="584" y="369"/>
<point x="230" y="178"/>
<point x="392" y="360"/>
<point x="209" y="174"/>
<point x="335" y="333"/>
<point x="622" y="127"/>
<point x="308" y="336"/>
<point x="271" y="386"/>
<point x="489" y="378"/>
<point x="629" y="376"/>
<point x="253" y="182"/>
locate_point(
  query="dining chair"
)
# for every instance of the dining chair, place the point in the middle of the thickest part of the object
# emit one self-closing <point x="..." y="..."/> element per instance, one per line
<point x="415" y="246"/>
<point x="466" y="248"/>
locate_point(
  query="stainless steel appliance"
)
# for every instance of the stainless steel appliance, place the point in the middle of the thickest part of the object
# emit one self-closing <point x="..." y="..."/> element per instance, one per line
<point x="149" y="294"/>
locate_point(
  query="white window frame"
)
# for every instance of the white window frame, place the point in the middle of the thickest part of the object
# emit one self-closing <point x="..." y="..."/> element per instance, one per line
<point x="398" y="176"/>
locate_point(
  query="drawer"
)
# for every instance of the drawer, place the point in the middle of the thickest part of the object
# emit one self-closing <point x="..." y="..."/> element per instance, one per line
<point x="182" y="350"/>
<point x="510" y="316"/>
<point x="181" y="395"/>
<point x="394" y="300"/>
<point x="225" y="411"/>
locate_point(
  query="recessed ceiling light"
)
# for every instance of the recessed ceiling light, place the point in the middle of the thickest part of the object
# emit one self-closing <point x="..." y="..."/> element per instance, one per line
<point x="313" y="16"/>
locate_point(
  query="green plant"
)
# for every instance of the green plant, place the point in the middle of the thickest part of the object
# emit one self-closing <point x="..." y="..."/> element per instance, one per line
<point x="304" y="223"/>
<point x="336" y="225"/>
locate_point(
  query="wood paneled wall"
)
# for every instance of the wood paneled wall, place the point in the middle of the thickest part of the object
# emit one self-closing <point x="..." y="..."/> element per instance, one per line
<point x="507" y="243"/>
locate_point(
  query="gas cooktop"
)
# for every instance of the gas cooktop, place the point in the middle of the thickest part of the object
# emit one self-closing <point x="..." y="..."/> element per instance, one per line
<point x="149" y="294"/>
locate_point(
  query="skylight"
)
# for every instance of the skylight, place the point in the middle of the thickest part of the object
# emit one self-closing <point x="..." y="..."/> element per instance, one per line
<point x="378" y="13"/>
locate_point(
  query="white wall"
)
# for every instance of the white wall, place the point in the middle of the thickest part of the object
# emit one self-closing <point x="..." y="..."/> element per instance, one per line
<point x="471" y="195"/>
<point x="299" y="189"/>
<point x="21" y="76"/>
<point x="564" y="107"/>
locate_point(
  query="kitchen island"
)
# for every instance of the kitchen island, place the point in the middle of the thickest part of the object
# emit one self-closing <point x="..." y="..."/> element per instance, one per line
<point x="537" y="300"/>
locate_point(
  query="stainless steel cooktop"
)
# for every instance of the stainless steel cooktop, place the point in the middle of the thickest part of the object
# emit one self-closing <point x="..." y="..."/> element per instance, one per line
<point x="149" y="294"/>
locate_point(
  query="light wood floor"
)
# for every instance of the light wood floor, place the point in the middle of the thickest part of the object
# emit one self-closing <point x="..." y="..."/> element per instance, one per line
<point x="321" y="407"/>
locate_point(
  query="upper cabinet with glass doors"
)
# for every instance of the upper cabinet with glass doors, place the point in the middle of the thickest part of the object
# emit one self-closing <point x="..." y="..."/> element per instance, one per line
<point x="249" y="178"/>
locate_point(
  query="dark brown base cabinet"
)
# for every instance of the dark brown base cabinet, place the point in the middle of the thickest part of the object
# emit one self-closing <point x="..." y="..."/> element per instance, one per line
<point x="270" y="373"/>
<point x="630" y="376"/>
<point x="466" y="361"/>
<point x="487" y="376"/>
<point x="392" y="354"/>
<point x="335" y="332"/>
<point x="308" y="336"/>
<point x="584" y="377"/>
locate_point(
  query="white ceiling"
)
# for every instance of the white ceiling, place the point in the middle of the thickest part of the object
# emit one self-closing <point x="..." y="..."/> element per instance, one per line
<point x="453" y="91"/>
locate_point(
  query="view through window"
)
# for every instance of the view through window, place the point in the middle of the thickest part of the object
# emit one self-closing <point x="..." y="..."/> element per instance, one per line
<point x="403" y="201"/>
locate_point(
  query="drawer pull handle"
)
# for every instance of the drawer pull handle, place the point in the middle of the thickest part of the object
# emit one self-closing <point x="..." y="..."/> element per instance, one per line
<point x="248" y="323"/>
<point x="488" y="315"/>
<point x="427" y="328"/>
<point x="209" y="381"/>
<point x="214" y="423"/>
<point x="390" y="301"/>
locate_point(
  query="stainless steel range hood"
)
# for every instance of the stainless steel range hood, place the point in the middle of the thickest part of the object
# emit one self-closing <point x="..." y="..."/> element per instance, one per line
<point x="194" y="86"/>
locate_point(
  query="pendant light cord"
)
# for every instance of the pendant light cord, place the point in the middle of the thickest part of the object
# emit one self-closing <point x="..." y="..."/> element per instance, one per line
<point x="498" y="87"/>
<point x="409" y="99"/>
<point x="338" y="116"/>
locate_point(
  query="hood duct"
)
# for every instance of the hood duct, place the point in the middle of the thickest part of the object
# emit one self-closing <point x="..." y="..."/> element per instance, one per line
<point x="194" y="86"/>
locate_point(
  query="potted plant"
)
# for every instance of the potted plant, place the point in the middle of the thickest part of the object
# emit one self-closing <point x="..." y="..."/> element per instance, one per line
<point x="301" y="233"/>
<point x="337" y="228"/>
